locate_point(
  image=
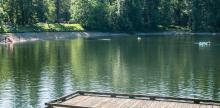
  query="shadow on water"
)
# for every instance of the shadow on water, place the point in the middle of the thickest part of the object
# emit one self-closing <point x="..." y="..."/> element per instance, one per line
<point x="36" y="72"/>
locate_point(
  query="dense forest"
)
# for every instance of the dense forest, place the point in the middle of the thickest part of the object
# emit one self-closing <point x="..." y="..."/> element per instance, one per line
<point x="115" y="15"/>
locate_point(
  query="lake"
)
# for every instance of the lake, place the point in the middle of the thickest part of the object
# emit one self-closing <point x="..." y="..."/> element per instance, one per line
<point x="33" y="73"/>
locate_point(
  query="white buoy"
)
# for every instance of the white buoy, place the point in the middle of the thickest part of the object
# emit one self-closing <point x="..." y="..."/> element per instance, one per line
<point x="138" y="38"/>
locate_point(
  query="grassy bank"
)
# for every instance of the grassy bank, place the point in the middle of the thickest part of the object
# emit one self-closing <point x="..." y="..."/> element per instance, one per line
<point x="63" y="27"/>
<point x="42" y="27"/>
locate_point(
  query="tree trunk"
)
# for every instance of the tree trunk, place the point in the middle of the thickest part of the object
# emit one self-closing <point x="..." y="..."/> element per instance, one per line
<point x="57" y="11"/>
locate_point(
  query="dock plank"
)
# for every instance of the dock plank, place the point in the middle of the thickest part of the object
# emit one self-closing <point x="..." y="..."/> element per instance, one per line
<point x="109" y="102"/>
<point x="162" y="104"/>
<point x="187" y="105"/>
<point x="147" y="104"/>
<point x="154" y="104"/>
<point x="205" y="106"/>
<point x="101" y="102"/>
<point x="216" y="107"/>
<point x="137" y="103"/>
<point x="171" y="105"/>
<point x="75" y="100"/>
<point x="128" y="104"/>
<point x="192" y="105"/>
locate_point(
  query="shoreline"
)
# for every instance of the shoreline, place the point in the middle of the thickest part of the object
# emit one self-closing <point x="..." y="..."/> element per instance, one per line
<point x="33" y="36"/>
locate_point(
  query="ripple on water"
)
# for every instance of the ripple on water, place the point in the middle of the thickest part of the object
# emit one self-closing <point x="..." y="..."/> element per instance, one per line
<point x="37" y="72"/>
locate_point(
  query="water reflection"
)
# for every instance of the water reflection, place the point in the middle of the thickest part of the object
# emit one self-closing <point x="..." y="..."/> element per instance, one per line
<point x="36" y="72"/>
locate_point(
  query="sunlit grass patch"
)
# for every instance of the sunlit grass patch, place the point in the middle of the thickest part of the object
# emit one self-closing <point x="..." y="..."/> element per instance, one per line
<point x="59" y="27"/>
<point x="42" y="27"/>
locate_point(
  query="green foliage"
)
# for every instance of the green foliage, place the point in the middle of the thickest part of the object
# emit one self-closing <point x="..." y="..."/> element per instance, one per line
<point x="80" y="12"/>
<point x="2" y="18"/>
<point x="166" y="12"/>
<point x="49" y="10"/>
<point x="113" y="15"/>
<point x="44" y="27"/>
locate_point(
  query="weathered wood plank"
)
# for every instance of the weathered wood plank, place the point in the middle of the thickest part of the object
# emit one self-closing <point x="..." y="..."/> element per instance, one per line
<point x="90" y="101"/>
<point x="107" y="102"/>
<point x="178" y="105"/>
<point x="154" y="104"/>
<point x="120" y="103"/>
<point x="147" y="103"/>
<point x="152" y="97"/>
<point x="166" y="104"/>
<point x="216" y="106"/>
<point x="205" y="106"/>
<point x="137" y="103"/>
<point x="191" y="105"/>
<point x="161" y="104"/>
<point x="128" y="104"/>
<point x="171" y="104"/>
<point x="76" y="100"/>
<point x="100" y="101"/>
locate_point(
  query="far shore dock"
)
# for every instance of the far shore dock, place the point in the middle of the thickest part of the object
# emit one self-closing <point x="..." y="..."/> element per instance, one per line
<point x="82" y="99"/>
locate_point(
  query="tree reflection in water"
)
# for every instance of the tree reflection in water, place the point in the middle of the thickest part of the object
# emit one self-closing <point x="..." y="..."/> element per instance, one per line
<point x="33" y="73"/>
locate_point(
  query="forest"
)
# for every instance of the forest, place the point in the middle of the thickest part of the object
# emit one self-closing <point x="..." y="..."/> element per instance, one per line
<point x="115" y="15"/>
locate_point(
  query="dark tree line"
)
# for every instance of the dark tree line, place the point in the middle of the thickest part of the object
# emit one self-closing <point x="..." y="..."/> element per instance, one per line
<point x="115" y="15"/>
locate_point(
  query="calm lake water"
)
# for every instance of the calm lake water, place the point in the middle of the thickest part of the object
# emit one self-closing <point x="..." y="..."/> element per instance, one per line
<point x="33" y="73"/>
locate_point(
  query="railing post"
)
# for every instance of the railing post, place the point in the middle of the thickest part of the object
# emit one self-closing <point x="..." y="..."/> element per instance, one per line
<point x="196" y="101"/>
<point x="152" y="98"/>
<point x="131" y="97"/>
<point x="113" y="95"/>
<point x="81" y="93"/>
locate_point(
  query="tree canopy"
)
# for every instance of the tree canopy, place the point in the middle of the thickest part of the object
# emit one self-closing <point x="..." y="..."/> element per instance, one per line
<point x="115" y="15"/>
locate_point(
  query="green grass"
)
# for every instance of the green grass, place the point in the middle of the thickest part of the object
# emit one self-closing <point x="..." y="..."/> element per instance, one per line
<point x="42" y="27"/>
<point x="63" y="27"/>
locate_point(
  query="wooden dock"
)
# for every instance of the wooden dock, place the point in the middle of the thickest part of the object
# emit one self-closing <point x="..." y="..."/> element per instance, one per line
<point x="111" y="100"/>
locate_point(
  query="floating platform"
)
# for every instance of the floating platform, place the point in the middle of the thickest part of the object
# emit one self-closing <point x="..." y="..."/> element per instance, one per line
<point x="83" y="99"/>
